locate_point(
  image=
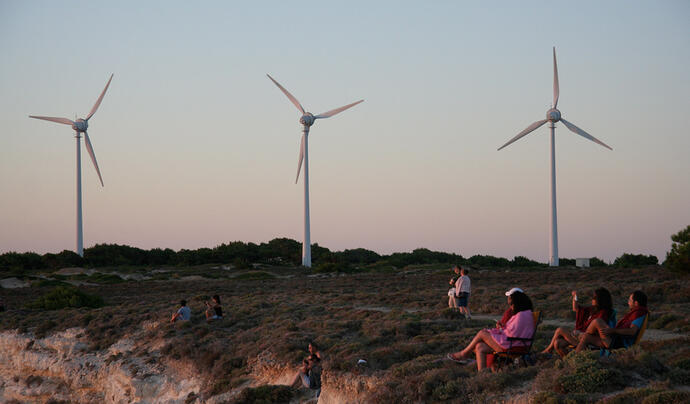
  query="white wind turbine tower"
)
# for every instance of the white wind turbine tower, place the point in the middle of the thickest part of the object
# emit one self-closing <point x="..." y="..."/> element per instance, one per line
<point x="80" y="126"/>
<point x="307" y="120"/>
<point x="552" y="116"/>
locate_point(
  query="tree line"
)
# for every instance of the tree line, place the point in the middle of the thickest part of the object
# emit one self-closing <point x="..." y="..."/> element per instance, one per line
<point x="278" y="252"/>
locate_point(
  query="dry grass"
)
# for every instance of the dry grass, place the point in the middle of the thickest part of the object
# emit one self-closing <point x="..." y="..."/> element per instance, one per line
<point x="398" y="322"/>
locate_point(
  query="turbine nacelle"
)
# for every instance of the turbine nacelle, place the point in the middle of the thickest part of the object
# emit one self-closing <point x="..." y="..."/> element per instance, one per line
<point x="307" y="119"/>
<point x="80" y="125"/>
<point x="553" y="115"/>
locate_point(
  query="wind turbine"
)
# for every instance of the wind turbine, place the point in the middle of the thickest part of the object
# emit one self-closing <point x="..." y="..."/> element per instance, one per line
<point x="80" y="126"/>
<point x="553" y="115"/>
<point x="307" y="120"/>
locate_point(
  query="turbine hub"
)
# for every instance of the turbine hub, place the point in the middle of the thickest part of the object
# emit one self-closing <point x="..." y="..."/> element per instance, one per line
<point x="553" y="115"/>
<point x="307" y="119"/>
<point x="80" y="125"/>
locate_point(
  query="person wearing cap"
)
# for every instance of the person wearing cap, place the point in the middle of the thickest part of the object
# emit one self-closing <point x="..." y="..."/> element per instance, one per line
<point x="520" y="325"/>
<point x="509" y="311"/>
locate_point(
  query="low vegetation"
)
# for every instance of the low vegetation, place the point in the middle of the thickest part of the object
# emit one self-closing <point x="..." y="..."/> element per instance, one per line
<point x="395" y="319"/>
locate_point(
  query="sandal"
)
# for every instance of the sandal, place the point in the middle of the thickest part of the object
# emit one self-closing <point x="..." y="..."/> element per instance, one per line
<point x="460" y="361"/>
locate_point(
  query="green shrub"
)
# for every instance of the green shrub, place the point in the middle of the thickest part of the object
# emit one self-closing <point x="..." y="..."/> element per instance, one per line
<point x="579" y="373"/>
<point x="678" y="258"/>
<point x="105" y="278"/>
<point x="62" y="297"/>
<point x="635" y="260"/>
<point x="584" y="374"/>
<point x="327" y="267"/>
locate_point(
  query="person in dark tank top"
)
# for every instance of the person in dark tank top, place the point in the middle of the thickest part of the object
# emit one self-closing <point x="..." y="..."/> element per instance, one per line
<point x="214" y="311"/>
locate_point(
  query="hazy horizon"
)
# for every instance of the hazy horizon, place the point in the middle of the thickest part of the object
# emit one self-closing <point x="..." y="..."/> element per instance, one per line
<point x="198" y="148"/>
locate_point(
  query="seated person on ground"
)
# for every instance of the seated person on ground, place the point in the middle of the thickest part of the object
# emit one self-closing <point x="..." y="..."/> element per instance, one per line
<point x="509" y="311"/>
<point x="183" y="313"/>
<point x="214" y="311"/>
<point x="309" y="374"/>
<point x="520" y="325"/>
<point x="601" y="308"/>
<point x="623" y="335"/>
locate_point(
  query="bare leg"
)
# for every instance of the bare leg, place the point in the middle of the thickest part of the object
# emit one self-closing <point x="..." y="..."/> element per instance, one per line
<point x="480" y="351"/>
<point x="589" y="339"/>
<point x="594" y="335"/>
<point x="562" y="347"/>
<point x="482" y="336"/>
<point x="561" y="333"/>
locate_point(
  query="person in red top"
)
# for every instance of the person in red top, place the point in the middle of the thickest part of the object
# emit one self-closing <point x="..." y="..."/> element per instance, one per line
<point x="601" y="308"/>
<point x="600" y="334"/>
<point x="520" y="325"/>
<point x="509" y="311"/>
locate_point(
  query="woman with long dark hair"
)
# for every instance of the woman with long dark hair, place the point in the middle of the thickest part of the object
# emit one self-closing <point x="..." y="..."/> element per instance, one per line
<point x="601" y="308"/>
<point x="520" y="325"/>
<point x="623" y="335"/>
<point x="214" y="311"/>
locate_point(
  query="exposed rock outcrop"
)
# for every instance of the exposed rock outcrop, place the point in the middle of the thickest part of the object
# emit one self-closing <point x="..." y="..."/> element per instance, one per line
<point x="61" y="367"/>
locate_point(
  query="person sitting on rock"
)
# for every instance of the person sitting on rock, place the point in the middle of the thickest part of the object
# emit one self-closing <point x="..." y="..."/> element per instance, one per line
<point x="309" y="374"/>
<point x="600" y="334"/>
<point x="214" y="311"/>
<point x="184" y="313"/>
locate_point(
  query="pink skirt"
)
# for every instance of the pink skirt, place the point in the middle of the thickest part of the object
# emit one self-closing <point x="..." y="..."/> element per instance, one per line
<point x="502" y="339"/>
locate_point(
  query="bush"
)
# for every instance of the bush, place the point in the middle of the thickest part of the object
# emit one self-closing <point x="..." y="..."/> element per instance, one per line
<point x="635" y="260"/>
<point x="580" y="373"/>
<point x="678" y="258"/>
<point x="62" y="297"/>
<point x="332" y="267"/>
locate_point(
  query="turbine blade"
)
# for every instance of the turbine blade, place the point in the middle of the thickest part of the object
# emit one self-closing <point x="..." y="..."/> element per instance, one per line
<point x="98" y="101"/>
<point x="584" y="134"/>
<point x="287" y="93"/>
<point x="336" y="111"/>
<point x="529" y="129"/>
<point x="556" y="90"/>
<point x="52" y="119"/>
<point x="89" y="149"/>
<point x="301" y="157"/>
